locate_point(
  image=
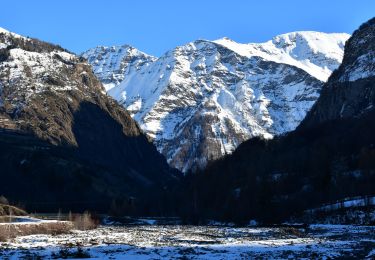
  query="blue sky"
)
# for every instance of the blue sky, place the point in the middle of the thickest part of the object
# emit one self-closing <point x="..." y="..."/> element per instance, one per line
<point x="157" y="26"/>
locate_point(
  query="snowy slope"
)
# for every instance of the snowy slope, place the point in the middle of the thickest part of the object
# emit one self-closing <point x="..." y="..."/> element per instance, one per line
<point x="2" y="30"/>
<point x="363" y="67"/>
<point x="41" y="67"/>
<point x="201" y="100"/>
<point x="360" y="62"/>
<point x="315" y="52"/>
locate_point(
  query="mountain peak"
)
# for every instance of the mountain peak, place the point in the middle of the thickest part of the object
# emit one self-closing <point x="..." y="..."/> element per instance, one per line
<point x="316" y="41"/>
<point x="111" y="62"/>
<point x="224" y="39"/>
<point x="114" y="48"/>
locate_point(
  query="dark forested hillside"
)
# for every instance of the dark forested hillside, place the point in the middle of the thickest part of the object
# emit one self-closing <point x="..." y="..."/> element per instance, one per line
<point x="330" y="156"/>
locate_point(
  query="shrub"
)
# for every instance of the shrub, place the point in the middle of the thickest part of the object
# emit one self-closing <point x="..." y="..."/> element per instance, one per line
<point x="84" y="221"/>
<point x="4" y="234"/>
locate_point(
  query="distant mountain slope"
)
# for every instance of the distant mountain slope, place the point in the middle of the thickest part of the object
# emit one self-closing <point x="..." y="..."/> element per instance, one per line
<point x="329" y="157"/>
<point x="59" y="129"/>
<point x="199" y="101"/>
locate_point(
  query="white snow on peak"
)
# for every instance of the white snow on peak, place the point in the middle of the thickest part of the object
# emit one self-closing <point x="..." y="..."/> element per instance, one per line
<point x="315" y="52"/>
<point x="111" y="64"/>
<point x="2" y="30"/>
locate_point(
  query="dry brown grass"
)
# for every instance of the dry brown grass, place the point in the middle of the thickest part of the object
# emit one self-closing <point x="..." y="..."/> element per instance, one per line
<point x="12" y="230"/>
<point x="83" y="221"/>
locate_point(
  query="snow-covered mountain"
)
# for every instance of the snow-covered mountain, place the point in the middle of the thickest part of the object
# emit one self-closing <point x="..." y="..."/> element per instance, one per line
<point x="199" y="101"/>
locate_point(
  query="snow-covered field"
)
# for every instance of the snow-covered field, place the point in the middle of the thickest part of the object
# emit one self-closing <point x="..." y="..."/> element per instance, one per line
<point x="198" y="242"/>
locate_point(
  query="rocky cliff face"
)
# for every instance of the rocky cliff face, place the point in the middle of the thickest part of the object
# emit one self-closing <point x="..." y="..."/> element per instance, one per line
<point x="350" y="91"/>
<point x="199" y="101"/>
<point x="51" y="97"/>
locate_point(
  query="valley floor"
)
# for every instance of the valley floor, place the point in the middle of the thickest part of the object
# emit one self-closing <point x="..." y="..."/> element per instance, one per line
<point x="198" y="242"/>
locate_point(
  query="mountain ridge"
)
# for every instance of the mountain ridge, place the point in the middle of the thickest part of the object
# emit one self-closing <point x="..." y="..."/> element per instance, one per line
<point x="299" y="48"/>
